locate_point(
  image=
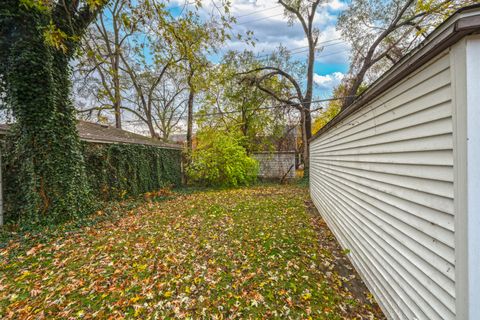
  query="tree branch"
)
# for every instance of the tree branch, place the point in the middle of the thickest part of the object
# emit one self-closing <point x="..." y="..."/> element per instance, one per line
<point x="297" y="13"/>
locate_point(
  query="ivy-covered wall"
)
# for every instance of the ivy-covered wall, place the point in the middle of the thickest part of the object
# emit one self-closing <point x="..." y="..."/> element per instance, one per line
<point x="114" y="171"/>
<point x="121" y="170"/>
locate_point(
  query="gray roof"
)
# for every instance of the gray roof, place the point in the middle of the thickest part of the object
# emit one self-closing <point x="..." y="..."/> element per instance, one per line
<point x="100" y="133"/>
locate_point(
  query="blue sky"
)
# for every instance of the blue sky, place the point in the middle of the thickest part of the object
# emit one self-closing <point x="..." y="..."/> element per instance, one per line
<point x="265" y="18"/>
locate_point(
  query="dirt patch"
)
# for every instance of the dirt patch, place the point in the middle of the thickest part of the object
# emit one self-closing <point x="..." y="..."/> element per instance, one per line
<point x="338" y="268"/>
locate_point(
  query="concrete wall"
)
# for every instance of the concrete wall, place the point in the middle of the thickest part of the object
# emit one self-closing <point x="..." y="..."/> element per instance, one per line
<point x="398" y="183"/>
<point x="276" y="164"/>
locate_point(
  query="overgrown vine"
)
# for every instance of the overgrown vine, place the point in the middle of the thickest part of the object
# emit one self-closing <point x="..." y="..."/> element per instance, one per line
<point x="37" y="41"/>
<point x="119" y="170"/>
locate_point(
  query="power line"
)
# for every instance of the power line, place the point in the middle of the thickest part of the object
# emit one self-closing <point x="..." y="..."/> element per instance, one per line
<point x="320" y="44"/>
<point x="240" y="16"/>
<point x="260" y="19"/>
<point x="258" y="11"/>
<point x="331" y="54"/>
<point x="322" y="55"/>
<point x="236" y="17"/>
<point x="294" y="50"/>
<point x="260" y="108"/>
<point x="319" y="56"/>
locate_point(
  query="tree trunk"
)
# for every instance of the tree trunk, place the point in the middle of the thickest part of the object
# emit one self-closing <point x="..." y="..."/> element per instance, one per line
<point x="150" y="126"/>
<point x="191" y="97"/>
<point x="51" y="183"/>
<point x="309" y="90"/>
<point x="118" y="97"/>
<point x="116" y="75"/>
<point x="307" y="102"/>
<point x="356" y="83"/>
<point x="305" y="153"/>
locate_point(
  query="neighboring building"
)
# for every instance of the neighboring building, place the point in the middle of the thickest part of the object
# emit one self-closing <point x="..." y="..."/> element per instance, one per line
<point x="278" y="157"/>
<point x="276" y="164"/>
<point x="396" y="176"/>
<point x="101" y="133"/>
<point x="179" y="138"/>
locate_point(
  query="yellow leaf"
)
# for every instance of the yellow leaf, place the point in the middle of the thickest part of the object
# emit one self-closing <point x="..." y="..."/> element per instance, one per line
<point x="307" y="296"/>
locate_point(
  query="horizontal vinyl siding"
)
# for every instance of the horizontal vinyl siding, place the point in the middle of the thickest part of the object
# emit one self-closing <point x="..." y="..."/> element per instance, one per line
<point x="383" y="180"/>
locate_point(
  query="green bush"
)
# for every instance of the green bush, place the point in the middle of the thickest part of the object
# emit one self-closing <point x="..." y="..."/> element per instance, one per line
<point x="220" y="160"/>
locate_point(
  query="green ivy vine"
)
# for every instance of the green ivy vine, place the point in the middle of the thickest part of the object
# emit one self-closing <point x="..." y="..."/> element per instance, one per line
<point x="116" y="171"/>
<point x="113" y="172"/>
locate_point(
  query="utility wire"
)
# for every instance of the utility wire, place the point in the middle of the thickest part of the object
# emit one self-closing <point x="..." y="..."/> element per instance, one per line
<point x="258" y="11"/>
<point x="236" y="17"/>
<point x="316" y="57"/>
<point x="260" y="19"/>
<point x="301" y="49"/>
<point x="331" y="54"/>
<point x="261" y="108"/>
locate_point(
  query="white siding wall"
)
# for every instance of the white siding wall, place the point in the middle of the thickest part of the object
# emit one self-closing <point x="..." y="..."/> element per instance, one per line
<point x="383" y="180"/>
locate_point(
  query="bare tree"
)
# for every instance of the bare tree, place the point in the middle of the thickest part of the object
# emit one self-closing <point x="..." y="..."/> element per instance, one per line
<point x="169" y="102"/>
<point x="100" y="66"/>
<point x="146" y="83"/>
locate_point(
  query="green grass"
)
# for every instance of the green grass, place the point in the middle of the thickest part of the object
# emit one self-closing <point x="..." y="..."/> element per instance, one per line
<point x="250" y="253"/>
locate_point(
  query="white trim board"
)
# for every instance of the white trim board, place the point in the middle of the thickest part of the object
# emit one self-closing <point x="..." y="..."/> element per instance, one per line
<point x="465" y="66"/>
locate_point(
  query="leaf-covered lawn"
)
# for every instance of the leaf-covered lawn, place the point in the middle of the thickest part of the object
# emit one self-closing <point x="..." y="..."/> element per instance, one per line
<point x="251" y="253"/>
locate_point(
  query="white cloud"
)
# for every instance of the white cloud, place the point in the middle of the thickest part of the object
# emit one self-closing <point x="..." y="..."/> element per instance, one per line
<point x="335" y="5"/>
<point x="329" y="81"/>
<point x="271" y="28"/>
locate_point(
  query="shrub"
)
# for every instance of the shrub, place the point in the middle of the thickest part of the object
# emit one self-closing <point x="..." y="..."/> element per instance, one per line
<point x="220" y="160"/>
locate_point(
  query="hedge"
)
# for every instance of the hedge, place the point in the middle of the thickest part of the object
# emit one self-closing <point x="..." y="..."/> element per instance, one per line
<point x="114" y="171"/>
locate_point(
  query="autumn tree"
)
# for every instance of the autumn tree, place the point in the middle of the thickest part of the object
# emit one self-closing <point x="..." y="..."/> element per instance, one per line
<point x="199" y="38"/>
<point x="333" y="108"/>
<point x="235" y="106"/>
<point x="127" y="59"/>
<point x="157" y="99"/>
<point x="38" y="41"/>
<point x="122" y="51"/>
<point x="284" y="87"/>
<point x="381" y="32"/>
<point x="179" y="45"/>
<point x="303" y="12"/>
